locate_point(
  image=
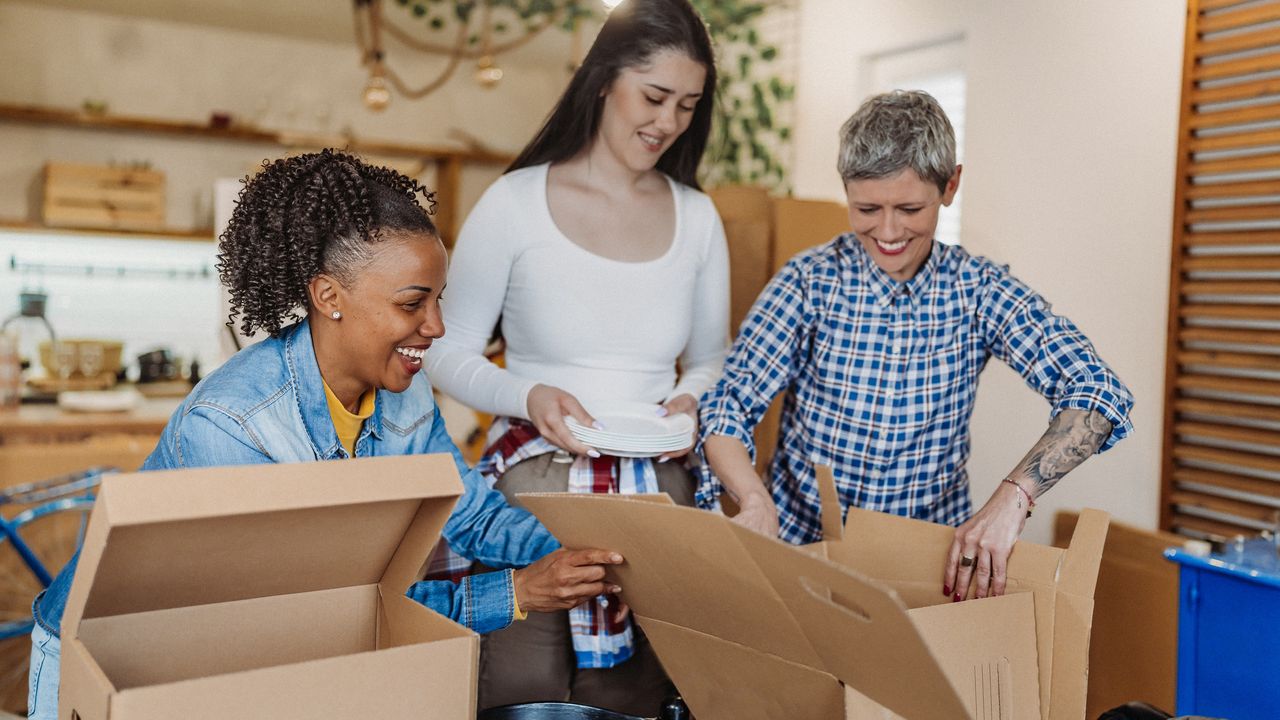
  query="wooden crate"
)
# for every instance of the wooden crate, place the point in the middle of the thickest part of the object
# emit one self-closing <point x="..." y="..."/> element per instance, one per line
<point x="95" y="196"/>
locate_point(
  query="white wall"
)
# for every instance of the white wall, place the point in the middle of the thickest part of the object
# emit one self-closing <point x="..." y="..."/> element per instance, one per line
<point x="1072" y="123"/>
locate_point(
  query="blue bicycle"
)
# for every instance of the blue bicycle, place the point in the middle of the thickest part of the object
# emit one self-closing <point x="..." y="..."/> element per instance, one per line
<point x="70" y="493"/>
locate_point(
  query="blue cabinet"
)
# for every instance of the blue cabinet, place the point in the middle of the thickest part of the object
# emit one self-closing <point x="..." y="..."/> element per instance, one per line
<point x="1229" y="633"/>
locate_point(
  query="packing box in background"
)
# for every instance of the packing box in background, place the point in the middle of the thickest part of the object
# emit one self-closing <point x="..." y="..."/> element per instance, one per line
<point x="265" y="591"/>
<point x="853" y="627"/>
<point x="97" y="196"/>
<point x="1134" y="651"/>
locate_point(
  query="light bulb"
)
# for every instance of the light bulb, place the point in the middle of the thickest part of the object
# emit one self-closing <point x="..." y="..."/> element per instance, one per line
<point x="487" y="72"/>
<point x="376" y="94"/>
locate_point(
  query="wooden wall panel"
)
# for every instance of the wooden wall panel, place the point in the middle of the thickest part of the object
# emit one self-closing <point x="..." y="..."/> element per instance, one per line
<point x="1221" y="460"/>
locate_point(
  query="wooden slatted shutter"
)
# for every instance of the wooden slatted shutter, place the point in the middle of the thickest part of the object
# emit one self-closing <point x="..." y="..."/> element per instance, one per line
<point x="1221" y="474"/>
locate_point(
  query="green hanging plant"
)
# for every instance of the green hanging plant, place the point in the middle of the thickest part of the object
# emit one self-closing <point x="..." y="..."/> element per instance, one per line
<point x="749" y="133"/>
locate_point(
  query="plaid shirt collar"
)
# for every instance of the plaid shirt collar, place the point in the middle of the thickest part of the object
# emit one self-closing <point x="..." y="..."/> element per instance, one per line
<point x="883" y="288"/>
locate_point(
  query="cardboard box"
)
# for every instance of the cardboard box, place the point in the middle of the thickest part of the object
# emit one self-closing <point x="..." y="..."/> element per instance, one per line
<point x="853" y="627"/>
<point x="266" y="591"/>
<point x="1134" y="651"/>
<point x="96" y="196"/>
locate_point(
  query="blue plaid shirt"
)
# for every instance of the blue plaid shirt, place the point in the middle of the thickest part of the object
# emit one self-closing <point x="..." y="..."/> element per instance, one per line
<point x="880" y="378"/>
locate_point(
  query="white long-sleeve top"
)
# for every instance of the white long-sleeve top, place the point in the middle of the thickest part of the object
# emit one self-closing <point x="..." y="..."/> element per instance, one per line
<point x="603" y="330"/>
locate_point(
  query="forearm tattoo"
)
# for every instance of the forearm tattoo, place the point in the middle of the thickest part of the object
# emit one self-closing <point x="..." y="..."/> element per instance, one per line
<point x="1072" y="437"/>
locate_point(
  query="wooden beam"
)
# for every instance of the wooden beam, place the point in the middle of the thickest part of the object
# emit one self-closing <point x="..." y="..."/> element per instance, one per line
<point x="1242" y="337"/>
<point x="1235" y="43"/>
<point x="1233" y="433"/>
<point x="1228" y="408"/>
<point x="1252" y="188"/>
<point x="1231" y="458"/>
<point x="448" y="186"/>
<point x="1235" y="361"/>
<point x="1182" y="239"/>
<point x="1230" y="287"/>
<point x="1264" y="161"/>
<point x="1245" y="263"/>
<point x="1231" y="19"/>
<point x="1242" y="237"/>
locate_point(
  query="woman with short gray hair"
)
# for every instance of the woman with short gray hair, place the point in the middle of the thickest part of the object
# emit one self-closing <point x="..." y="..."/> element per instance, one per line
<point x="897" y="130"/>
<point x="878" y="338"/>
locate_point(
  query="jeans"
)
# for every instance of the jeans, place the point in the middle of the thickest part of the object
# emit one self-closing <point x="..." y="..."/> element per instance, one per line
<point x="46" y="665"/>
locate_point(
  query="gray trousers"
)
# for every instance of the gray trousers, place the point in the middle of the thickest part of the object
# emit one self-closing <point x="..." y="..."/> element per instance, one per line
<point x="532" y="660"/>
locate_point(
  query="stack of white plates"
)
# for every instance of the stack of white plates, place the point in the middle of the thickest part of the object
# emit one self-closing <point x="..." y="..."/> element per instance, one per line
<point x="635" y="430"/>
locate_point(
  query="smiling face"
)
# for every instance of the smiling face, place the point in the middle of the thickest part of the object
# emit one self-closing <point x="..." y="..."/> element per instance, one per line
<point x="390" y="316"/>
<point x="649" y="106"/>
<point x="895" y="218"/>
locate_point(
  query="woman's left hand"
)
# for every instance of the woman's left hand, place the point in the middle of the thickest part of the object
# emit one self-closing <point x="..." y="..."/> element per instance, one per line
<point x="982" y="546"/>
<point x="688" y="405"/>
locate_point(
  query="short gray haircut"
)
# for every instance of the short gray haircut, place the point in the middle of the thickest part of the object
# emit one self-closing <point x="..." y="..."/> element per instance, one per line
<point x="896" y="130"/>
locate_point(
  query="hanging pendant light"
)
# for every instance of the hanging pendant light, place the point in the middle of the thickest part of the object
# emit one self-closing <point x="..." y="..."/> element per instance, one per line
<point x="371" y="24"/>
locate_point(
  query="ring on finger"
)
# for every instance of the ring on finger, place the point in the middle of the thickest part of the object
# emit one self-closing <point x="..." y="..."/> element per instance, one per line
<point x="967" y="561"/>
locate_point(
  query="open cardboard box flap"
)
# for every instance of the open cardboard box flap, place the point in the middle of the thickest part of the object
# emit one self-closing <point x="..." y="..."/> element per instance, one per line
<point x="170" y="539"/>
<point x="267" y="591"/>
<point x="751" y="627"/>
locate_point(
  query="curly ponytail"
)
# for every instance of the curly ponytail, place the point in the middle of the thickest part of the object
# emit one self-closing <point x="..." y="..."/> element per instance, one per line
<point x="306" y="215"/>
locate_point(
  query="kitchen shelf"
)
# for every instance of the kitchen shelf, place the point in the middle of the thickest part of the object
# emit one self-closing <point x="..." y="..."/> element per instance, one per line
<point x="448" y="160"/>
<point x="193" y="235"/>
<point x="38" y="115"/>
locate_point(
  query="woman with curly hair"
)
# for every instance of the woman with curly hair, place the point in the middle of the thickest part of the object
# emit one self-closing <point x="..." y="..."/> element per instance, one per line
<point x="607" y="269"/>
<point x="342" y="268"/>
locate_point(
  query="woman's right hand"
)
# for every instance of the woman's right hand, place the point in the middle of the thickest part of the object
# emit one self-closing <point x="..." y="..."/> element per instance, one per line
<point x="548" y="407"/>
<point x="563" y="579"/>
<point x="756" y="511"/>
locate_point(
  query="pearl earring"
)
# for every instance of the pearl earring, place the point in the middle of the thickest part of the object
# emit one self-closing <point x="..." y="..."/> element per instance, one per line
<point x="336" y="315"/>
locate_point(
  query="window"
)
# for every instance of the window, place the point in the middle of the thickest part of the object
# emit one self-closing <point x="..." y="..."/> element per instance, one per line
<point x="938" y="69"/>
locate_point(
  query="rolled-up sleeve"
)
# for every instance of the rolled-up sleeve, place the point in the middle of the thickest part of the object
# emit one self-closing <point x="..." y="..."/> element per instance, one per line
<point x="1052" y="355"/>
<point x="484" y="603"/>
<point x="483" y="526"/>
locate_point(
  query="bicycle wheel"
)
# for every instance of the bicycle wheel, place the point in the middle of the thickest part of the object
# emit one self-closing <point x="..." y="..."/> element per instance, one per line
<point x="54" y="539"/>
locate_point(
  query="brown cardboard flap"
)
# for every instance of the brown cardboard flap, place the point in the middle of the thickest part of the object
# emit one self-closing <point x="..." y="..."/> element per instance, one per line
<point x="1133" y="648"/>
<point x="675" y="559"/>
<point x="269" y="631"/>
<point x="403" y="682"/>
<point x="860" y="630"/>
<point x="767" y="596"/>
<point x="832" y="522"/>
<point x="876" y="542"/>
<point x="720" y="679"/>
<point x="987" y="649"/>
<point x="170" y="539"/>
<point x="1079" y="574"/>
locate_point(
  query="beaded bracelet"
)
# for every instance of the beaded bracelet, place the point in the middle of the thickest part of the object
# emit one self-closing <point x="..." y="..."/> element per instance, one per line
<point x="1030" y="503"/>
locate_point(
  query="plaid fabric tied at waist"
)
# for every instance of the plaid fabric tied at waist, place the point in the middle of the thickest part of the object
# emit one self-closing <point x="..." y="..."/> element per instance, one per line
<point x="599" y="640"/>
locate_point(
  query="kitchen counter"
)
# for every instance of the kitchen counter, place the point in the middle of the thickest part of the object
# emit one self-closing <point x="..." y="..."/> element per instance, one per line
<point x="50" y="423"/>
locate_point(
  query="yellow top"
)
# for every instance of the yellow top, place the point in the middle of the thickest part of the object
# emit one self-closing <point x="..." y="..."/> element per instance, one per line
<point x="520" y="614"/>
<point x="344" y="422"/>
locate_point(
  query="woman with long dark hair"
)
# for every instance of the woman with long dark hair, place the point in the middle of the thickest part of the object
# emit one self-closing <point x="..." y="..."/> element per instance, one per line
<point x="607" y="270"/>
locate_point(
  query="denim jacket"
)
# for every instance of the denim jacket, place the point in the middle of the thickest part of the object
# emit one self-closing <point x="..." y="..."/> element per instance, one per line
<point x="267" y="405"/>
